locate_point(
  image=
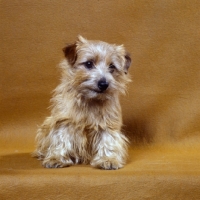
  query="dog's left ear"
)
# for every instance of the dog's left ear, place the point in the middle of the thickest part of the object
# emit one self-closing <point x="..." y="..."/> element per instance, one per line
<point x="70" y="53"/>
<point x="127" y="63"/>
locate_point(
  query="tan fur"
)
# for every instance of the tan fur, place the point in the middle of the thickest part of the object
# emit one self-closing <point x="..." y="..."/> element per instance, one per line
<point x="85" y="123"/>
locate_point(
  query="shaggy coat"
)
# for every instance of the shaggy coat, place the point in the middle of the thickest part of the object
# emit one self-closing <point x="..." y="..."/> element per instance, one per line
<point x="85" y="122"/>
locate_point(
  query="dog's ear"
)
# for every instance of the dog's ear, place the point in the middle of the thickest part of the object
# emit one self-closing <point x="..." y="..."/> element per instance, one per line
<point x="81" y="39"/>
<point x="70" y="53"/>
<point x="127" y="63"/>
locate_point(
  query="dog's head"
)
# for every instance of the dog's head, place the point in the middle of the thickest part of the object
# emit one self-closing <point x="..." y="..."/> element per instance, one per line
<point x="97" y="69"/>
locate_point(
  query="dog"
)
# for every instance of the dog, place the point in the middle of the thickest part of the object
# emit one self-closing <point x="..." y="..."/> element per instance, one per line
<point x="86" y="120"/>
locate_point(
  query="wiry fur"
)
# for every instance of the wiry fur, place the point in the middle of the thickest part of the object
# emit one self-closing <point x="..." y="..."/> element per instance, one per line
<point x="85" y="123"/>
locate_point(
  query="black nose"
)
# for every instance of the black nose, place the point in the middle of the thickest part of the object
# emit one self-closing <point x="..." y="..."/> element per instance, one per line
<point x="102" y="84"/>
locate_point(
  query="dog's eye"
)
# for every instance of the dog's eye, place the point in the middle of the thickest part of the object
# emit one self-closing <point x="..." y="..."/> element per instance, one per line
<point x="112" y="68"/>
<point x="89" y="64"/>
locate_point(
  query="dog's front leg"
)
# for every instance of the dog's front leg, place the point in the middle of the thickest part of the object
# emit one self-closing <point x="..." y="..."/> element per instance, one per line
<point x="60" y="152"/>
<point x="61" y="145"/>
<point x="110" y="150"/>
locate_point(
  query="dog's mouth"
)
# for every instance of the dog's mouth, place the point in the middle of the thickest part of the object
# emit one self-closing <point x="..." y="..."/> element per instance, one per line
<point x="98" y="91"/>
<point x="94" y="93"/>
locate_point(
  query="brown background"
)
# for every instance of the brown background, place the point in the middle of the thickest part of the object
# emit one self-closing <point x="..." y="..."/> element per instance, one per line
<point x="163" y="37"/>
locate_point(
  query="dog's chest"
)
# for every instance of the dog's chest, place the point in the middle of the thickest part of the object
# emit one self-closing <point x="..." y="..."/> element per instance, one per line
<point x="102" y="119"/>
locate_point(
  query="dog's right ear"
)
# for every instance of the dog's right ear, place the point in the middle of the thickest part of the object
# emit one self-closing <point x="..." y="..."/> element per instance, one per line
<point x="70" y="53"/>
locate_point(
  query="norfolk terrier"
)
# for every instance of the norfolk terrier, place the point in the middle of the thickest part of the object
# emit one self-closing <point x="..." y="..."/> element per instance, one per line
<point x="85" y="122"/>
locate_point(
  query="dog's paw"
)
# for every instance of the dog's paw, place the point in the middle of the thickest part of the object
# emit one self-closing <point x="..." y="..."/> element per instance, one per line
<point x="53" y="163"/>
<point x="110" y="165"/>
<point x="107" y="164"/>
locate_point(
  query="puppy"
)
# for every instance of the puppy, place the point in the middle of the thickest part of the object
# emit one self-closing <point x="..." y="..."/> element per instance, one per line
<point x="85" y="122"/>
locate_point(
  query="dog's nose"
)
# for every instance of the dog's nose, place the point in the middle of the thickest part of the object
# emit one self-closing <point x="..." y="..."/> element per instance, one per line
<point x="103" y="84"/>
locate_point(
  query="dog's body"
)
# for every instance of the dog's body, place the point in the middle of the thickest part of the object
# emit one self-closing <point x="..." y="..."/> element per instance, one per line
<point x="85" y="122"/>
